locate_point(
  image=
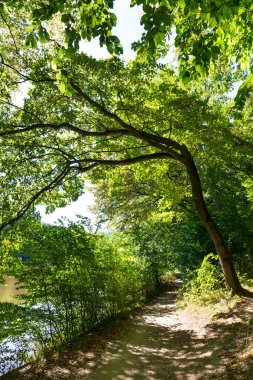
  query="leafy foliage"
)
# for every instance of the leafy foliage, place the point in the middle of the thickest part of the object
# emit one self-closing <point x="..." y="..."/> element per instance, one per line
<point x="207" y="283"/>
<point x="180" y="152"/>
<point x="96" y="119"/>
<point x="74" y="280"/>
<point x="107" y="114"/>
<point x="86" y="19"/>
<point x="208" y="33"/>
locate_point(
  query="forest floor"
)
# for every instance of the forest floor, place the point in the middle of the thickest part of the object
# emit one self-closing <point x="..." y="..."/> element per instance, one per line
<point x="158" y="342"/>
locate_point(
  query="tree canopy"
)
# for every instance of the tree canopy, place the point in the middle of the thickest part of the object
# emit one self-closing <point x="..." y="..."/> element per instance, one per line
<point x="207" y="32"/>
<point x="103" y="114"/>
<point x="170" y="143"/>
<point x="98" y="102"/>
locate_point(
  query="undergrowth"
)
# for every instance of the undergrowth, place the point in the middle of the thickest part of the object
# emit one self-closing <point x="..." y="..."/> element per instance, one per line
<point x="206" y="285"/>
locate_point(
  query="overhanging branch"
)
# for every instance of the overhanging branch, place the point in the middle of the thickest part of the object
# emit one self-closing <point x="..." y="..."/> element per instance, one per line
<point x="68" y="126"/>
<point x="128" y="161"/>
<point x="161" y="143"/>
<point x="26" y="77"/>
<point x="56" y="181"/>
<point x="243" y="142"/>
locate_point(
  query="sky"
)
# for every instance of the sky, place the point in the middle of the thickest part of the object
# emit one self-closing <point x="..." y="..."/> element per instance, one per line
<point x="128" y="29"/>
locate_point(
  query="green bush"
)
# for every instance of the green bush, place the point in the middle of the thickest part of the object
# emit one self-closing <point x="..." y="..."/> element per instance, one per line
<point x="74" y="280"/>
<point x="206" y="284"/>
<point x="168" y="277"/>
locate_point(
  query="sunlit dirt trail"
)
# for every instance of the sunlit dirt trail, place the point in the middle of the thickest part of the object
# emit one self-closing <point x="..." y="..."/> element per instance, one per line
<point x="158" y="342"/>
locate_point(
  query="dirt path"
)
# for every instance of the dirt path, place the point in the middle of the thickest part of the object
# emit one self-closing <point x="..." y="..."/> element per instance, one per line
<point x="158" y="342"/>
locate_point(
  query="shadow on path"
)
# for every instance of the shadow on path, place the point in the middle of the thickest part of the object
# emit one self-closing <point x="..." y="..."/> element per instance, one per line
<point x="153" y="344"/>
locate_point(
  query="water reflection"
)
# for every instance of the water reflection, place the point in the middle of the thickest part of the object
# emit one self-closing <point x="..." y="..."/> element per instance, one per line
<point x="10" y="348"/>
<point x="9" y="290"/>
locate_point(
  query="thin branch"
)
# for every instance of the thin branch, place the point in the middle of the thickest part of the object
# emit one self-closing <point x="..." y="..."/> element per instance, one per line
<point x="49" y="187"/>
<point x="117" y="150"/>
<point x="68" y="126"/>
<point x="27" y="78"/>
<point x="8" y="26"/>
<point x="58" y="149"/>
<point x="145" y="124"/>
<point x="22" y="109"/>
<point x="104" y="111"/>
<point x="121" y="101"/>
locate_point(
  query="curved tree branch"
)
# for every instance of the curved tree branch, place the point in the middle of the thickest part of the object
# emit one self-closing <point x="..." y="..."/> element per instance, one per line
<point x="26" y="77"/>
<point x="156" y="141"/>
<point x="56" y="181"/>
<point x="128" y="161"/>
<point x="22" y="109"/>
<point x="68" y="126"/>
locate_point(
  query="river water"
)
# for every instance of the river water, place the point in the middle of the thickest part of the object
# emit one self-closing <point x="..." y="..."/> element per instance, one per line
<point x="9" y="290"/>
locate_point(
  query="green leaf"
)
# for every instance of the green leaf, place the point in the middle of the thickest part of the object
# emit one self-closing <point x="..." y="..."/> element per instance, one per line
<point x="62" y="87"/>
<point x="54" y="64"/>
<point x="186" y="11"/>
<point x="69" y="90"/>
<point x="43" y="35"/>
<point x="212" y="23"/>
<point x="165" y="3"/>
<point x="181" y="3"/>
<point x="31" y="41"/>
<point x="200" y="69"/>
<point x="147" y="8"/>
<point x="30" y="28"/>
<point x="65" y="18"/>
<point x="110" y="48"/>
<point x="159" y="38"/>
<point x="186" y="76"/>
<point x="3" y="7"/>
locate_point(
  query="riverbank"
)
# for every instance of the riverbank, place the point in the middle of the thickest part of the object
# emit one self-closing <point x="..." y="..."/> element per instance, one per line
<point x="158" y="342"/>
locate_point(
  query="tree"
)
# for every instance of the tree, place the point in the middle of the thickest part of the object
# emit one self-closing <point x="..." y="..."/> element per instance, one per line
<point x="100" y="115"/>
<point x="171" y="229"/>
<point x="208" y="33"/>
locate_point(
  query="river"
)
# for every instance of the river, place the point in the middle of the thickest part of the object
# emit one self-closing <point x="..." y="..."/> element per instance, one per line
<point x="9" y="290"/>
<point x="8" y="349"/>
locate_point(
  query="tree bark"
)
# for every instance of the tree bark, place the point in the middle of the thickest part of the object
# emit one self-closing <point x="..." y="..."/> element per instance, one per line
<point x="221" y="247"/>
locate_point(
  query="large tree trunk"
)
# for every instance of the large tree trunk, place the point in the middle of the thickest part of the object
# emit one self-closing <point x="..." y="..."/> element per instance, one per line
<point x="222" y="250"/>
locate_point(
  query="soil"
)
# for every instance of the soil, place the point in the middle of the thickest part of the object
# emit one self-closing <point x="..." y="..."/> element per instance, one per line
<point x="158" y="342"/>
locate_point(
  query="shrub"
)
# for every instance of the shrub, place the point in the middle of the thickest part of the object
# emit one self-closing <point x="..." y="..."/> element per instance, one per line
<point x="74" y="280"/>
<point x="206" y="284"/>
